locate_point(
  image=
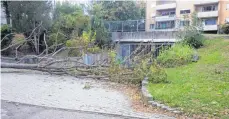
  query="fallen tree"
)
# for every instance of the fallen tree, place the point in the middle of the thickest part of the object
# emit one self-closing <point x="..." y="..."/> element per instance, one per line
<point x="105" y="67"/>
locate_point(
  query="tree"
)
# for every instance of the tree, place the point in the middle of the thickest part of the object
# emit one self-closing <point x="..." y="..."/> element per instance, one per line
<point x="97" y="25"/>
<point x="122" y="10"/>
<point x="30" y="18"/>
<point x="69" y="22"/>
<point x="26" y="15"/>
<point x="102" y="11"/>
<point x="6" y="10"/>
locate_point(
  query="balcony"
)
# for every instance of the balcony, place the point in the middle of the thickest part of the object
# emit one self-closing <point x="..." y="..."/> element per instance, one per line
<point x="166" y="6"/>
<point x="210" y="28"/>
<point x="204" y="2"/>
<point x="207" y="14"/>
<point x="165" y="18"/>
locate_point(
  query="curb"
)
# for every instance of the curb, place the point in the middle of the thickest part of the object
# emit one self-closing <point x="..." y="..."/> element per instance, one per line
<point x="147" y="97"/>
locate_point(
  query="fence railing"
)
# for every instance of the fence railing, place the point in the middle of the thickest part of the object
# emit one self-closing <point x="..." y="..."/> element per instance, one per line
<point x="125" y="26"/>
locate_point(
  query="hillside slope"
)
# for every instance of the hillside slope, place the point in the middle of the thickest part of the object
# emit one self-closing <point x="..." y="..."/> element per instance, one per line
<point x="199" y="88"/>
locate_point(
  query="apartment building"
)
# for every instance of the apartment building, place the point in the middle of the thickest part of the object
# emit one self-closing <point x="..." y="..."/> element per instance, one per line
<point x="174" y="14"/>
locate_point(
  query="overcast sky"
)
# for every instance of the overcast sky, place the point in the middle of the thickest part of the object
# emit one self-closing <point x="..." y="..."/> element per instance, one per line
<point x="74" y="1"/>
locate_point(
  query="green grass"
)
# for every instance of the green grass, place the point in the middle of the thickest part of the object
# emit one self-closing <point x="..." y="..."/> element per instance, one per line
<point x="199" y="88"/>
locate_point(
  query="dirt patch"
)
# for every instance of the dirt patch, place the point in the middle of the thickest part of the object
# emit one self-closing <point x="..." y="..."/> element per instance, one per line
<point x="134" y="95"/>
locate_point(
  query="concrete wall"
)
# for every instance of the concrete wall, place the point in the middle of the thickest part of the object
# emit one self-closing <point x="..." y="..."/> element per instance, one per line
<point x="150" y="12"/>
<point x="154" y="36"/>
<point x="184" y="5"/>
<point x="223" y="11"/>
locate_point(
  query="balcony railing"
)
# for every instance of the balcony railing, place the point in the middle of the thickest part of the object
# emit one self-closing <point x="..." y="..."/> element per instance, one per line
<point x="166" y="6"/>
<point x="165" y="18"/>
<point x="203" y="2"/>
<point x="210" y="28"/>
<point x="125" y="26"/>
<point x="207" y="14"/>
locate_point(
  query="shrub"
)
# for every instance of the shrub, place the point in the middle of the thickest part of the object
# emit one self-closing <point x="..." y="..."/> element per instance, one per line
<point x="85" y="43"/>
<point x="225" y="28"/>
<point x="74" y="51"/>
<point x="56" y="38"/>
<point x="157" y="74"/>
<point x="192" y="34"/>
<point x="194" y="39"/>
<point x="154" y="72"/>
<point x="5" y="30"/>
<point x="178" y="54"/>
<point x="93" y="50"/>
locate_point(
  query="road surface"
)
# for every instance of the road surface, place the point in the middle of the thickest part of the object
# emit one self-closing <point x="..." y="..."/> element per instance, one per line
<point x="63" y="92"/>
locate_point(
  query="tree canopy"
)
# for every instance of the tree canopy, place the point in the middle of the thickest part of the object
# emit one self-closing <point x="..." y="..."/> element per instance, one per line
<point x="25" y="15"/>
<point x="66" y="21"/>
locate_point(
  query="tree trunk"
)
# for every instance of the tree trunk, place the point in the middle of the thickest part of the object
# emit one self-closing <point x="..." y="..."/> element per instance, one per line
<point x="46" y="46"/>
<point x="7" y="12"/>
<point x="18" y="66"/>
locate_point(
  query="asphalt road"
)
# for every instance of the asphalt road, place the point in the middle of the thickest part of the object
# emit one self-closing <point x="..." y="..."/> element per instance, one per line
<point x="12" y="110"/>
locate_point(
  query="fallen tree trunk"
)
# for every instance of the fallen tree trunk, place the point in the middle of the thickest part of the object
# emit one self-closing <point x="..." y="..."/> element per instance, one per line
<point x="19" y="66"/>
<point x="50" y="69"/>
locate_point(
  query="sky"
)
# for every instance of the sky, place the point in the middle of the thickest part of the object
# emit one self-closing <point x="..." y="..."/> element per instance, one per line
<point x="74" y="1"/>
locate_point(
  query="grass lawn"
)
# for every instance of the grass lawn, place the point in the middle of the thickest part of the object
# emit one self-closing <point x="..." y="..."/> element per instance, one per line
<point x="199" y="88"/>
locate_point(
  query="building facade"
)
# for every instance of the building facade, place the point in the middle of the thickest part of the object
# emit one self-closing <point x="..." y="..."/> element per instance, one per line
<point x="174" y="14"/>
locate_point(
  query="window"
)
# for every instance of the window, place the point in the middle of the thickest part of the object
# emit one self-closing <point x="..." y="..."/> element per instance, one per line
<point x="172" y="13"/>
<point x="164" y="13"/>
<point x="227" y="20"/>
<point x="210" y="22"/>
<point x="209" y="8"/>
<point x="151" y="26"/>
<point x="184" y="11"/>
<point x="227" y="7"/>
<point x="168" y="13"/>
<point x="184" y="23"/>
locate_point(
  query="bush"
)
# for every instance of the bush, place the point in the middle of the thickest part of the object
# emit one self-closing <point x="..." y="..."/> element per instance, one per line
<point x="93" y="50"/>
<point x="85" y="43"/>
<point x="225" y="28"/>
<point x="5" y="30"/>
<point x="192" y="35"/>
<point x="194" y="39"/>
<point x="154" y="72"/>
<point x="157" y="74"/>
<point x="178" y="54"/>
<point x="56" y="38"/>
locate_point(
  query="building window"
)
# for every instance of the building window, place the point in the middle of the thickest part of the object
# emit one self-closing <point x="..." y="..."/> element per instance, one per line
<point x="184" y="11"/>
<point x="210" y="22"/>
<point x="172" y="13"/>
<point x="168" y="13"/>
<point x="209" y="8"/>
<point x="227" y="20"/>
<point x="151" y="26"/>
<point x="184" y="23"/>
